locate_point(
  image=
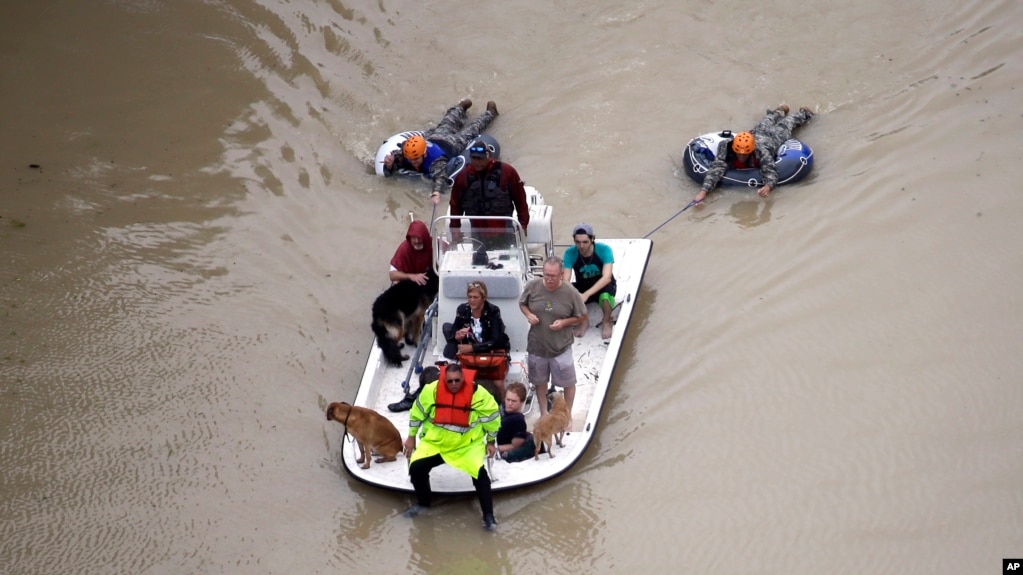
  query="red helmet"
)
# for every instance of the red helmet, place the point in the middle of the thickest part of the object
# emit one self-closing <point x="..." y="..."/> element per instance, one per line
<point x="742" y="143"/>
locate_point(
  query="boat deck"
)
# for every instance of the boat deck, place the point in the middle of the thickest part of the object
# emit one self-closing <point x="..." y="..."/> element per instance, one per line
<point x="595" y="360"/>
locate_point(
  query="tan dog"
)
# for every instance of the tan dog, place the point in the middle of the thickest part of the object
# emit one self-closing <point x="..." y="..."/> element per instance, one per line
<point x="552" y="426"/>
<point x="371" y="431"/>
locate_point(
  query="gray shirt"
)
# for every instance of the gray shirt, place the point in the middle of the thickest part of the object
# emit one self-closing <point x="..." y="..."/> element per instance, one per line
<point x="549" y="306"/>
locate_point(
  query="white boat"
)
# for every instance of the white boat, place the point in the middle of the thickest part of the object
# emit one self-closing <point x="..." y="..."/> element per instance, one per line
<point x="514" y="258"/>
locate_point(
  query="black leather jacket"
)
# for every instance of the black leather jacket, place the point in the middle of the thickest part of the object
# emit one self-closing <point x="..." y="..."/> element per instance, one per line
<point x="493" y="338"/>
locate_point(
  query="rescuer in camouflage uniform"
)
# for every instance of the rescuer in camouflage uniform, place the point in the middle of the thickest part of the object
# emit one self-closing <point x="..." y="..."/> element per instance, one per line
<point x="428" y="154"/>
<point x="762" y="143"/>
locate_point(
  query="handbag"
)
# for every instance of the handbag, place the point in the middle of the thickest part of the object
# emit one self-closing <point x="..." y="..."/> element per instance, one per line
<point x="489" y="365"/>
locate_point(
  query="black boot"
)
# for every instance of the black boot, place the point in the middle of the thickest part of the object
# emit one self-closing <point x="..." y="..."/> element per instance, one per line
<point x="406" y="403"/>
<point x="489" y="523"/>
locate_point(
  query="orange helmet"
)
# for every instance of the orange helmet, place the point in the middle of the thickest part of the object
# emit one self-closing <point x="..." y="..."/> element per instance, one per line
<point x="742" y="143"/>
<point x="414" y="148"/>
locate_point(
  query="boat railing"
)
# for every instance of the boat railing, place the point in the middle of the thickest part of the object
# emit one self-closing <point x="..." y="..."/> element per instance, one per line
<point x="495" y="256"/>
<point x="424" y="344"/>
<point x="479" y="243"/>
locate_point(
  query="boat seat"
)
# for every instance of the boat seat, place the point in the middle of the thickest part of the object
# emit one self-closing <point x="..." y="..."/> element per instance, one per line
<point x="498" y="287"/>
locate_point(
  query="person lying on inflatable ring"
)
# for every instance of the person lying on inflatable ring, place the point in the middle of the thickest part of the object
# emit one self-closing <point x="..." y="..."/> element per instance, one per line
<point x="755" y="149"/>
<point x="428" y="154"/>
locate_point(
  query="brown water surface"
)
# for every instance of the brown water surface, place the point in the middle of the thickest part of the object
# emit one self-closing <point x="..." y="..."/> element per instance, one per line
<point x="824" y="381"/>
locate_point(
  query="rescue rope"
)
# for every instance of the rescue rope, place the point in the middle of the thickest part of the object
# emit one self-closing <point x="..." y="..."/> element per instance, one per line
<point x="677" y="214"/>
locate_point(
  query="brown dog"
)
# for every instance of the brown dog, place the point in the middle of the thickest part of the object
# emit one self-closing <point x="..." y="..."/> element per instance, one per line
<point x="552" y="426"/>
<point x="370" y="430"/>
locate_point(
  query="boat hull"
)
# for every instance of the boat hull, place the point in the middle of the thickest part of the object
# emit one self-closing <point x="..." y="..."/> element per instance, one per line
<point x="595" y="359"/>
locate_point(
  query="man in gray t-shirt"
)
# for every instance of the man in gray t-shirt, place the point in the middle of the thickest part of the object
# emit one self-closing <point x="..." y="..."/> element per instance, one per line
<point x="553" y="308"/>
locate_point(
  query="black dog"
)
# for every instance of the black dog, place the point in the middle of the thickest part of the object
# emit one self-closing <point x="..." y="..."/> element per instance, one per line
<point x="399" y="312"/>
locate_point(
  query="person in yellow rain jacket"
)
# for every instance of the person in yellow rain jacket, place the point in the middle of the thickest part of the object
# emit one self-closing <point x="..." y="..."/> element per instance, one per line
<point x="456" y="422"/>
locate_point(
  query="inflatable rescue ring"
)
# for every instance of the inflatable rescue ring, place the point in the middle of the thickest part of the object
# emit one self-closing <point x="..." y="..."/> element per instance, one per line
<point x="794" y="161"/>
<point x="455" y="165"/>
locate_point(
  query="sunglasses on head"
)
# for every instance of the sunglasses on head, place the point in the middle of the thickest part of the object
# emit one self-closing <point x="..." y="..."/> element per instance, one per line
<point x="478" y="150"/>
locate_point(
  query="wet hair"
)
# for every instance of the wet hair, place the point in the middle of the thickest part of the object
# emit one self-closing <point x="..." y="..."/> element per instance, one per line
<point x="430" y="374"/>
<point x="517" y="388"/>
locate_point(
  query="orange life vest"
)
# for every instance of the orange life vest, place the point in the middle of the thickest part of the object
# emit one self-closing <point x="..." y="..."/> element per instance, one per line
<point x="453" y="408"/>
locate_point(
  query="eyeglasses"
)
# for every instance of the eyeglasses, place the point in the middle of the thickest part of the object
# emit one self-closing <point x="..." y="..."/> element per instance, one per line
<point x="551" y="277"/>
<point x="459" y="380"/>
<point x="584" y="242"/>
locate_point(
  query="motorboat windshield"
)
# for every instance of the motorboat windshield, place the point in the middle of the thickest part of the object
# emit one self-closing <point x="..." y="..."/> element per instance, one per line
<point x="488" y="244"/>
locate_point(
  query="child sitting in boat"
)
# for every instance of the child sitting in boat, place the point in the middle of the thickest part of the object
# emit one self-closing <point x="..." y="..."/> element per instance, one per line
<point x="514" y="441"/>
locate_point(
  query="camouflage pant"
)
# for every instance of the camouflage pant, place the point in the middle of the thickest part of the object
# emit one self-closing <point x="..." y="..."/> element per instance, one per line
<point x="771" y="132"/>
<point x="768" y="135"/>
<point x="452" y="132"/>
